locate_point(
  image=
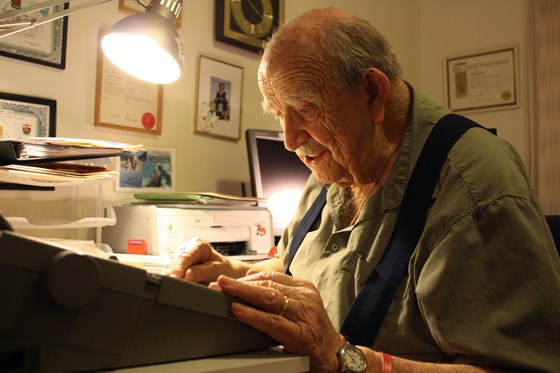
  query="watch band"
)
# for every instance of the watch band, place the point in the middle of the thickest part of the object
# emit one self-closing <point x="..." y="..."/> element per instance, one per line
<point x="386" y="363"/>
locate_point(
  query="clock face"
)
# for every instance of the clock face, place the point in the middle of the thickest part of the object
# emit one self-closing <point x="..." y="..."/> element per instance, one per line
<point x="254" y="17"/>
<point x="246" y="23"/>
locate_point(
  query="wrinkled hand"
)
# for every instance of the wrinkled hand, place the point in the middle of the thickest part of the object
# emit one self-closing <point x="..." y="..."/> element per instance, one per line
<point x="303" y="327"/>
<point x="197" y="261"/>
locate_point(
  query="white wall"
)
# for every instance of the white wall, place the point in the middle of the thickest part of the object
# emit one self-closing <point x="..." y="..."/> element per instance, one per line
<point x="457" y="27"/>
<point x="422" y="34"/>
<point x="204" y="164"/>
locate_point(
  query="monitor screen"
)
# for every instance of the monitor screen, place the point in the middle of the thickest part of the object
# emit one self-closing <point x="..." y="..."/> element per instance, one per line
<point x="276" y="174"/>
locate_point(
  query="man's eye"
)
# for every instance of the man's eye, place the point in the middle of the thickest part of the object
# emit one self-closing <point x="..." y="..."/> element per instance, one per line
<point x="308" y="113"/>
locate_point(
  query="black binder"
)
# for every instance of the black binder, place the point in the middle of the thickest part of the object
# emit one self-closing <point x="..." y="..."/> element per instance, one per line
<point x="30" y="152"/>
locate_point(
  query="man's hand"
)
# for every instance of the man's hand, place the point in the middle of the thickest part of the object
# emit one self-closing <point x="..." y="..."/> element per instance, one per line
<point x="197" y="261"/>
<point x="290" y="311"/>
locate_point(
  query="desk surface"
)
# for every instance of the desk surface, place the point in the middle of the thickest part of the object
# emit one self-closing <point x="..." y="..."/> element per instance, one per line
<point x="273" y="360"/>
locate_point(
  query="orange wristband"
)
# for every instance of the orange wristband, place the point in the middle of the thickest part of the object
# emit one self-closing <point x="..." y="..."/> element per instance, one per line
<point x="386" y="363"/>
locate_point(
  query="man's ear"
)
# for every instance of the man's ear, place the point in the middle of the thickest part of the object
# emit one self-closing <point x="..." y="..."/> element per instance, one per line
<point x="377" y="86"/>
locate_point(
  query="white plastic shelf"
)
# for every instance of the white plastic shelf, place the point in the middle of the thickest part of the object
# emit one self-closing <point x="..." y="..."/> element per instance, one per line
<point x="45" y="180"/>
<point x="63" y="215"/>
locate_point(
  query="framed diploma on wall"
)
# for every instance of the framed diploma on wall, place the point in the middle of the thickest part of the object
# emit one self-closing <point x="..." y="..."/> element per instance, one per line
<point x="26" y="116"/>
<point x="483" y="80"/>
<point x="44" y="44"/>
<point x="126" y="103"/>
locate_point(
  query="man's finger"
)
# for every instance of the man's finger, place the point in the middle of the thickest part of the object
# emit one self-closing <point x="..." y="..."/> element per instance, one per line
<point x="266" y="298"/>
<point x="190" y="253"/>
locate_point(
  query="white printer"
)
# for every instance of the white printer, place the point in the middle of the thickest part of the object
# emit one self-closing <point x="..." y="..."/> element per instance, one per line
<point x="160" y="229"/>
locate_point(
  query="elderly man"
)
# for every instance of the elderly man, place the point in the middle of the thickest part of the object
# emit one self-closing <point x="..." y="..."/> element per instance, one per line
<point x="481" y="289"/>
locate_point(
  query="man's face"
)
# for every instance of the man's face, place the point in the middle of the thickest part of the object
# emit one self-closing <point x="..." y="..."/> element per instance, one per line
<point x="329" y="129"/>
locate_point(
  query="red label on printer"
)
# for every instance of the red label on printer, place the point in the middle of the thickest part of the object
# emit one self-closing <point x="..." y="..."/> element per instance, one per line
<point x="136" y="246"/>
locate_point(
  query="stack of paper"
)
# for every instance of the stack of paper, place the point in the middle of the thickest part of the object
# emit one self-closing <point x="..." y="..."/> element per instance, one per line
<point x="204" y="198"/>
<point x="53" y="174"/>
<point x="47" y="161"/>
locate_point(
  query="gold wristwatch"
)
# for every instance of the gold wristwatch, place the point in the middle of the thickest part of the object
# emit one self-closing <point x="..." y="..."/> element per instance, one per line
<point x="352" y="359"/>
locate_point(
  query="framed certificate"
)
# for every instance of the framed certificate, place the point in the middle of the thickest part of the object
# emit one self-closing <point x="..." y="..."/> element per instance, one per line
<point x="124" y="102"/>
<point x="44" y="44"/>
<point x="26" y="116"/>
<point x="482" y="80"/>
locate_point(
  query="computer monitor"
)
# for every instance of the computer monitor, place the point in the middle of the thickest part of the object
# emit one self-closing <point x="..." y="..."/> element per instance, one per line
<point x="276" y="174"/>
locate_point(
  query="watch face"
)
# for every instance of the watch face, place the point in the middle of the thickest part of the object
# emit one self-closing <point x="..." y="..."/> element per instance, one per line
<point x="353" y="359"/>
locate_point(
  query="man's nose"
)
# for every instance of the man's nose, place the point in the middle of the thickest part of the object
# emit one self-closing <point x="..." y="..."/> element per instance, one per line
<point x="295" y="133"/>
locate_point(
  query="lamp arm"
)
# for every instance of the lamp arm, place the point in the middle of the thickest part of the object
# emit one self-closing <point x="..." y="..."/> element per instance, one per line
<point x="31" y="8"/>
<point x="8" y="27"/>
<point x="20" y="22"/>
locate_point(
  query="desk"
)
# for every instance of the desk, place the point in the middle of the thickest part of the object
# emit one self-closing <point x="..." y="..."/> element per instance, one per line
<point x="273" y="360"/>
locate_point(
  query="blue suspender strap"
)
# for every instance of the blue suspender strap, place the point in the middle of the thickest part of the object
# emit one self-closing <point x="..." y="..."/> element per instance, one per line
<point x="305" y="224"/>
<point x="366" y="314"/>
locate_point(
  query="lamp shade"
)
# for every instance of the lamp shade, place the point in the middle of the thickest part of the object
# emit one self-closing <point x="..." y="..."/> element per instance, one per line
<point x="146" y="46"/>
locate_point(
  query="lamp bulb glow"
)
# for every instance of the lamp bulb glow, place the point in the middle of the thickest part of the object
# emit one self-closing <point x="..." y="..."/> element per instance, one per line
<point x="141" y="57"/>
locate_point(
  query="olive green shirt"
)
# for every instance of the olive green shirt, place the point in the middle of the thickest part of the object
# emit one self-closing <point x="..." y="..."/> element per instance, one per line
<point x="483" y="283"/>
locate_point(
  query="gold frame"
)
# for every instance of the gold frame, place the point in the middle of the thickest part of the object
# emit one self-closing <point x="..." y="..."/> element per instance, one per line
<point x="225" y="32"/>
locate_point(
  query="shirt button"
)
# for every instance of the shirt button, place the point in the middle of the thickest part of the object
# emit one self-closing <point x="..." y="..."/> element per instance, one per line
<point x="334" y="247"/>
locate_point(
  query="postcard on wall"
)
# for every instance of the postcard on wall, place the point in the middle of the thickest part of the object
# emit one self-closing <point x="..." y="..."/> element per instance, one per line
<point x="152" y="170"/>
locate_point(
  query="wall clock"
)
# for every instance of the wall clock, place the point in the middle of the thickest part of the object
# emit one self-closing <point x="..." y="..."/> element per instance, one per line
<point x="246" y="23"/>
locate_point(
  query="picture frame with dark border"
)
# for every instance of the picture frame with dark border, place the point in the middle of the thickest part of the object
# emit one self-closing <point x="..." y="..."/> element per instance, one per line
<point x="22" y="116"/>
<point x="44" y="44"/>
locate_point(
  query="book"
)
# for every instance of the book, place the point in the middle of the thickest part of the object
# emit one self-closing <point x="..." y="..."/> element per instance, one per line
<point x="50" y="149"/>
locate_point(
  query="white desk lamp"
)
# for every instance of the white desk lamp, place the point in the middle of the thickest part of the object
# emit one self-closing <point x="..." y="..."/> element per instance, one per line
<point x="144" y="45"/>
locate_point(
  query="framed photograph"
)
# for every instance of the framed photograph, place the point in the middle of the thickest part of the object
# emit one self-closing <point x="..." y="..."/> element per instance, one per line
<point x="485" y="80"/>
<point x="246" y="24"/>
<point x="124" y="102"/>
<point x="218" y="99"/>
<point x="152" y="170"/>
<point x="44" y="44"/>
<point x="25" y="116"/>
<point x="133" y="6"/>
